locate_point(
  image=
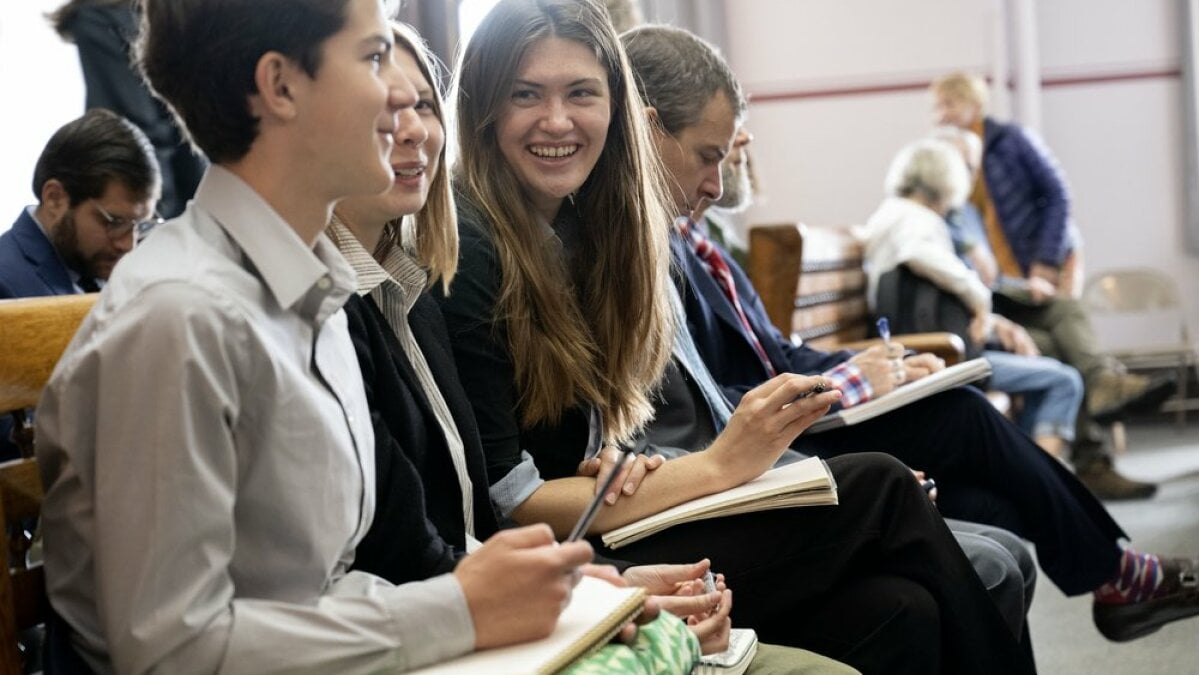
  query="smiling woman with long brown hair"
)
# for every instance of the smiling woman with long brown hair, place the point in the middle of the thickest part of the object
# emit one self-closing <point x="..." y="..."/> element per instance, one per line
<point x="562" y="326"/>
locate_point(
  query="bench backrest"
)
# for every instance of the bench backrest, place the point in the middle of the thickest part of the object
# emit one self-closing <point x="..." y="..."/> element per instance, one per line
<point x="811" y="282"/>
<point x="33" y="334"/>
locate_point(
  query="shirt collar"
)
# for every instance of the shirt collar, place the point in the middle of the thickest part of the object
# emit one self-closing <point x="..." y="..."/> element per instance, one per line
<point x="398" y="269"/>
<point x="293" y="272"/>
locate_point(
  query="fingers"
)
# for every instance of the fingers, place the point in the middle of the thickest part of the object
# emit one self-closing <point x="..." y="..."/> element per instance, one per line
<point x="663" y="579"/>
<point x="589" y="467"/>
<point x="572" y="554"/>
<point x="625" y="469"/>
<point x="606" y="572"/>
<point x="523" y="537"/>
<point x="607" y="459"/>
<point x="690" y="605"/>
<point x="921" y="365"/>
<point x="713" y="630"/>
<point x="641" y="466"/>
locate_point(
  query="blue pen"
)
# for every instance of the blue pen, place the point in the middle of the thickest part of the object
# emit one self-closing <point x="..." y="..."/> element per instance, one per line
<point x="884" y="330"/>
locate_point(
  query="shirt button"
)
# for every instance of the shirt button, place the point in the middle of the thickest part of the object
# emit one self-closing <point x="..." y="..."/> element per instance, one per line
<point x="324" y="283"/>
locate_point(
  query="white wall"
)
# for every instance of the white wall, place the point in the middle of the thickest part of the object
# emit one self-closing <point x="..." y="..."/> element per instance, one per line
<point x="821" y="159"/>
<point x="43" y="89"/>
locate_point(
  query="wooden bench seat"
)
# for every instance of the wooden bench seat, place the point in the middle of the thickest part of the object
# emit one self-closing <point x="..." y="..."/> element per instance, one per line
<point x="34" y="333"/>
<point x="814" y="290"/>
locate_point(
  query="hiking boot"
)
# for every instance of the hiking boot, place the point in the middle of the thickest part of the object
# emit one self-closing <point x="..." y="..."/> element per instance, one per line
<point x="1106" y="483"/>
<point x="1114" y="395"/>
<point x="1177" y="598"/>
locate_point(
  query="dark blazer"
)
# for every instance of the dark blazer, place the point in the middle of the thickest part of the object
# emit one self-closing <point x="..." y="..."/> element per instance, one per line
<point x="723" y="343"/>
<point x="29" y="265"/>
<point x="418" y="529"/>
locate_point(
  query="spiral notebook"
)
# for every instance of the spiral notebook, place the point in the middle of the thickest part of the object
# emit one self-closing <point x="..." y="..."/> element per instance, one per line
<point x="804" y="483"/>
<point x="597" y="610"/>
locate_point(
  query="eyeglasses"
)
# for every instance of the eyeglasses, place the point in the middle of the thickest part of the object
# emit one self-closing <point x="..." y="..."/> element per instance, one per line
<point x="118" y="228"/>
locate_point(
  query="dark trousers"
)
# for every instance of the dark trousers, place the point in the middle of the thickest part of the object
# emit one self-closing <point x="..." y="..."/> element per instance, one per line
<point x="988" y="471"/>
<point x="877" y="581"/>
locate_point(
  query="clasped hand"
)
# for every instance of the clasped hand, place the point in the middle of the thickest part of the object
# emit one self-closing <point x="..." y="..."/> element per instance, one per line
<point x="885" y="367"/>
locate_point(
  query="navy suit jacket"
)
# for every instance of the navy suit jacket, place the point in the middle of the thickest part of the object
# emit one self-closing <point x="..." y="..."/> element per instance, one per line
<point x="723" y="342"/>
<point x="29" y="265"/>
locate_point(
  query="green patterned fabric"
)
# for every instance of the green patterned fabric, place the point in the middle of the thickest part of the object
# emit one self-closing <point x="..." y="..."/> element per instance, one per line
<point x="663" y="647"/>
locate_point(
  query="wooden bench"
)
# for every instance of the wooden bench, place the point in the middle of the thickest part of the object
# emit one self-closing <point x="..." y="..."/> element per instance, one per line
<point x="814" y="290"/>
<point x="34" y="333"/>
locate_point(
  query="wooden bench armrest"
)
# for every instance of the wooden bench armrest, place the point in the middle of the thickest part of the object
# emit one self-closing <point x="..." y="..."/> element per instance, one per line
<point x="945" y="345"/>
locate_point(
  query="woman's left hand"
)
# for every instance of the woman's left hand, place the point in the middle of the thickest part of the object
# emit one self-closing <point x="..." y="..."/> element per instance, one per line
<point x="633" y="472"/>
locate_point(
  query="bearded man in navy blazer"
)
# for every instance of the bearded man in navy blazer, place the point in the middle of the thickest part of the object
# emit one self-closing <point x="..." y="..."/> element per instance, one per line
<point x="96" y="182"/>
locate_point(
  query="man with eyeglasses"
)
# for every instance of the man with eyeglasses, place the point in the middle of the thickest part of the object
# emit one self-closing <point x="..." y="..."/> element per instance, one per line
<point x="97" y="182"/>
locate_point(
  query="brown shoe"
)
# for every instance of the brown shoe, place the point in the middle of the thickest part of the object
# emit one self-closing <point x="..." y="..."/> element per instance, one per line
<point x="1107" y="483"/>
<point x="1114" y="394"/>
<point x="1178" y="598"/>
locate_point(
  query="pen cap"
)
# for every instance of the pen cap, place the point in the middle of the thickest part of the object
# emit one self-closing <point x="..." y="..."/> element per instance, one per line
<point x="884" y="328"/>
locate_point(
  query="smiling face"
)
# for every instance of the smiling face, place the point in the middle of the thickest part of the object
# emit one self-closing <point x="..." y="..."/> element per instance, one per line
<point x="348" y="111"/>
<point x="418" y="140"/>
<point x="551" y="130"/>
<point x="692" y="156"/>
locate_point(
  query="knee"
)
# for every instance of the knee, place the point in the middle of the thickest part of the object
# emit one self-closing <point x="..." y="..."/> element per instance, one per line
<point x="1074" y="379"/>
<point x="916" y="622"/>
<point x="1000" y="572"/>
<point x="875" y="468"/>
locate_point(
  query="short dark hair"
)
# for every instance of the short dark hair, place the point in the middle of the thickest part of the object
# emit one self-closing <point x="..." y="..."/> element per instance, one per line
<point x="199" y="56"/>
<point x="678" y="73"/>
<point x="87" y="153"/>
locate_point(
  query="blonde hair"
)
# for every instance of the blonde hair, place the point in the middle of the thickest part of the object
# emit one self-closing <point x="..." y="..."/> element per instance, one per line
<point x="431" y="232"/>
<point x="603" y="333"/>
<point x="962" y="86"/>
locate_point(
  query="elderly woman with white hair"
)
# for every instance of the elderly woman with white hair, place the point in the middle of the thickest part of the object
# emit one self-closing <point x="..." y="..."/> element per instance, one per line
<point x="926" y="180"/>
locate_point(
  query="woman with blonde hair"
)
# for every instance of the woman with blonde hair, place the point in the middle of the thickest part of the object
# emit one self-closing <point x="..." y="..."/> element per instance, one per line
<point x="562" y="325"/>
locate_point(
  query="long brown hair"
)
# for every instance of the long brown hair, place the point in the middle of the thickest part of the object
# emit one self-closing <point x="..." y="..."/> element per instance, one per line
<point x="601" y="335"/>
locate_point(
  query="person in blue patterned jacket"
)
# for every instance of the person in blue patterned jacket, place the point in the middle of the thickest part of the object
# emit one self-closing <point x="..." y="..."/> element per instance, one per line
<point x="1024" y="204"/>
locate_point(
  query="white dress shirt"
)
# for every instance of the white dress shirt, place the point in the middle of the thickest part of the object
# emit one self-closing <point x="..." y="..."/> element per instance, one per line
<point x="209" y="464"/>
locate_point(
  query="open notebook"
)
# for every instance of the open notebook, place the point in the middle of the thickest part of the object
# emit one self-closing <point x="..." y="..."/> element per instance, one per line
<point x="804" y="483"/>
<point x="953" y="376"/>
<point x="596" y="612"/>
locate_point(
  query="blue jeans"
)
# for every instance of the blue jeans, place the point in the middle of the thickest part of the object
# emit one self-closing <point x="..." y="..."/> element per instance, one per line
<point x="1052" y="391"/>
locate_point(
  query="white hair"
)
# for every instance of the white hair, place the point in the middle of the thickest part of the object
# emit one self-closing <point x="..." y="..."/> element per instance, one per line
<point x="931" y="170"/>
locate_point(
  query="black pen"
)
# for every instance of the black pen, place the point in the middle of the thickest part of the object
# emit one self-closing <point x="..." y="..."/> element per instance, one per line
<point x="592" y="510"/>
<point x="818" y="389"/>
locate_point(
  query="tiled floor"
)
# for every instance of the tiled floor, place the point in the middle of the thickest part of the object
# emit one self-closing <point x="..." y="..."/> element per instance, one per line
<point x="1064" y="639"/>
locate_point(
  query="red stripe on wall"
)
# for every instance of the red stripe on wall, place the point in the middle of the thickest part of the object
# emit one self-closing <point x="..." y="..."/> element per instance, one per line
<point x="922" y="85"/>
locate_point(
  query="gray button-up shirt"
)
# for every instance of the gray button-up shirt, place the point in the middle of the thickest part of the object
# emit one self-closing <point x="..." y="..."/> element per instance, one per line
<point x="209" y="464"/>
